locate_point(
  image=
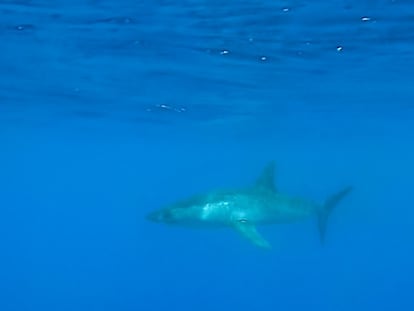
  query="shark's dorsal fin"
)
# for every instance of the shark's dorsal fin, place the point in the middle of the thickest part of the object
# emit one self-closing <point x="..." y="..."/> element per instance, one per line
<point x="266" y="179"/>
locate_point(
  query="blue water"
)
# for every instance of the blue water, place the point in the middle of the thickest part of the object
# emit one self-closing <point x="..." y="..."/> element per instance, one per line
<point x="110" y="109"/>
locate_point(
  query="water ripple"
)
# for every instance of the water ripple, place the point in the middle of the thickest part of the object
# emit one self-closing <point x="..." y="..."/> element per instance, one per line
<point x="98" y="59"/>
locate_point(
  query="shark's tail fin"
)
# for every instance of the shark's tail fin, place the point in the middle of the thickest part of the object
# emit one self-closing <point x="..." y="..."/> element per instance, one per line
<point x="326" y="210"/>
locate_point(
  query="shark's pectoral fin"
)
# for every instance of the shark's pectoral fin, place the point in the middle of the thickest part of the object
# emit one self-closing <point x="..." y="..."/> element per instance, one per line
<point x="248" y="230"/>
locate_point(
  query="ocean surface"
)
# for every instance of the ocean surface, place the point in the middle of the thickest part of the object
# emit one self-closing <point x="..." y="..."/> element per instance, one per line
<point x="111" y="109"/>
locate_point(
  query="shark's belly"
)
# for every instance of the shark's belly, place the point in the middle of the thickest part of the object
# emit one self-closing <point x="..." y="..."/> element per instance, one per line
<point x="279" y="218"/>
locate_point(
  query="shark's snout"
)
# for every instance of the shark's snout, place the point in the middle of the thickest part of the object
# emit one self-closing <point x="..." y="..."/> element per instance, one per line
<point x="164" y="216"/>
<point x="154" y="216"/>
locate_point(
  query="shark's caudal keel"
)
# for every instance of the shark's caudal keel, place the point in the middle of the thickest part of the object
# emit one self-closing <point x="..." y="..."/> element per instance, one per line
<point x="243" y="209"/>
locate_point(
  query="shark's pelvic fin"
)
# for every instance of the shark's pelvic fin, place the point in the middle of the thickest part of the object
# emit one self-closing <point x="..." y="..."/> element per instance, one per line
<point x="326" y="210"/>
<point x="267" y="177"/>
<point x="248" y="230"/>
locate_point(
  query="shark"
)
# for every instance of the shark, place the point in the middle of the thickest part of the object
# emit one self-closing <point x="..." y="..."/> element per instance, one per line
<point x="259" y="203"/>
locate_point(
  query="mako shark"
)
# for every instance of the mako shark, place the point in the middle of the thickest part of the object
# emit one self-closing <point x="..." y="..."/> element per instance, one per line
<point x="244" y="209"/>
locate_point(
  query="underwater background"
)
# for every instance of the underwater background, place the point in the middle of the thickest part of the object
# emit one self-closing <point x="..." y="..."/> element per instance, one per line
<point x="111" y="109"/>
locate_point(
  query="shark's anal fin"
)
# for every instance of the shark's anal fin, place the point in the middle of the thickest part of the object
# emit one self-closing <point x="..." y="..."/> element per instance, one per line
<point x="248" y="230"/>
